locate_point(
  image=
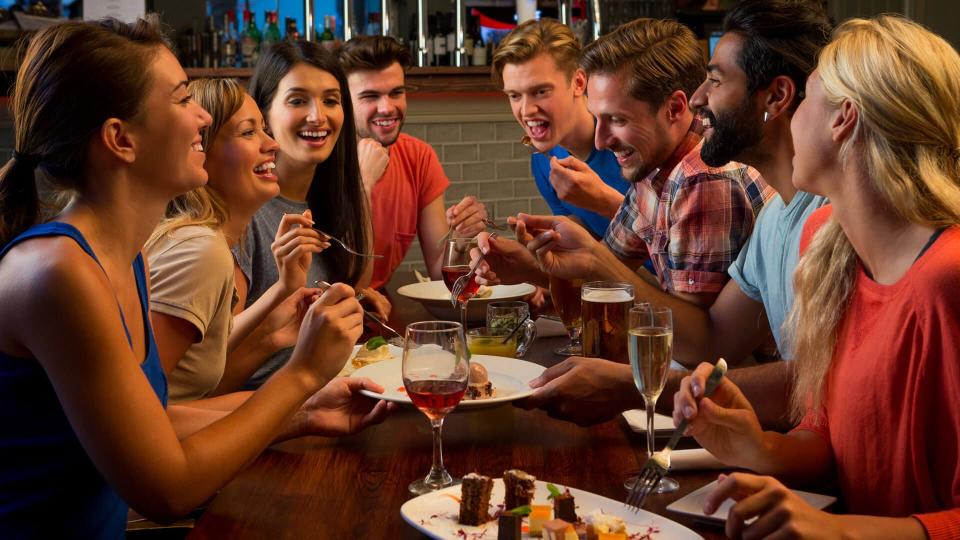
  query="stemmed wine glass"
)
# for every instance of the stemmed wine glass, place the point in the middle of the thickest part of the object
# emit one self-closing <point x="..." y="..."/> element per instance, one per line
<point x="650" y="346"/>
<point x="436" y="367"/>
<point x="456" y="263"/>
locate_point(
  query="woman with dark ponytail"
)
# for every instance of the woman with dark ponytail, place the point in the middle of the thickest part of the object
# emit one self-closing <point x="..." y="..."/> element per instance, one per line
<point x="102" y="109"/>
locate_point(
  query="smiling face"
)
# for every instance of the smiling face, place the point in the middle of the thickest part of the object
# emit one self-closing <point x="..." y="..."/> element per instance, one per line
<point x="168" y="134"/>
<point x="543" y="99"/>
<point x="241" y="160"/>
<point x="634" y="130"/>
<point x="379" y="103"/>
<point x="732" y="119"/>
<point x="306" y="114"/>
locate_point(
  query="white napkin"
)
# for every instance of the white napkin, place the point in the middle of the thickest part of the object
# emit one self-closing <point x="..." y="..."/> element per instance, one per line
<point x="695" y="459"/>
<point x="550" y="327"/>
<point x="637" y="419"/>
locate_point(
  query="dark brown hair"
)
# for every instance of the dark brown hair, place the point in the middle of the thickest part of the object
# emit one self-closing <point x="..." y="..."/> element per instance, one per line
<point x="74" y="76"/>
<point x="336" y="196"/>
<point x="658" y="56"/>
<point x="373" y="53"/>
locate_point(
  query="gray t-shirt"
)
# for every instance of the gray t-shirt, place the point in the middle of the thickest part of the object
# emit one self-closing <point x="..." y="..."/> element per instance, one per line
<point x="255" y="260"/>
<point x="764" y="268"/>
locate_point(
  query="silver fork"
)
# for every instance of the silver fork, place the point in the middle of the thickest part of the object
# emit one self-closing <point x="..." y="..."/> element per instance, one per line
<point x="658" y="464"/>
<point x="491" y="224"/>
<point x="324" y="285"/>
<point x="461" y="283"/>
<point x="347" y="248"/>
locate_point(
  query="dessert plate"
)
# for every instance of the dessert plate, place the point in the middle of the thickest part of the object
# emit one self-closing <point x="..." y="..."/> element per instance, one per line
<point x="348" y="368"/>
<point x="435" y="514"/>
<point x="510" y="378"/>
<point x="436" y="299"/>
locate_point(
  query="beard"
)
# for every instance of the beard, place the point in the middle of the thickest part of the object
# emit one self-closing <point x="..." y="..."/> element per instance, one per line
<point x="733" y="133"/>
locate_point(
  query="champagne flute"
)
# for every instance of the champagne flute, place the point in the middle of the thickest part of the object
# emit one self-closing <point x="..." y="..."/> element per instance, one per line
<point x="436" y="367"/>
<point x="650" y="346"/>
<point x="456" y="263"/>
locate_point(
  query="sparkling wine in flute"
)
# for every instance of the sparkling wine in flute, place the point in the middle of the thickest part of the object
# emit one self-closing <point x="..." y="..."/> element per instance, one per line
<point x="450" y="275"/>
<point x="604" y="312"/>
<point x="650" y="354"/>
<point x="566" y="298"/>
<point x="435" y="398"/>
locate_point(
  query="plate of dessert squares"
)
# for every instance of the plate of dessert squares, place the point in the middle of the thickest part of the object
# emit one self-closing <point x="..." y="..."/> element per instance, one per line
<point x="494" y="380"/>
<point x="518" y="506"/>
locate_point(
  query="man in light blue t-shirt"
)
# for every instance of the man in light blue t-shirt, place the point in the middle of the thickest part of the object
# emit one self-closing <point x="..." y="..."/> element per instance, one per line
<point x="536" y="64"/>
<point x="755" y="80"/>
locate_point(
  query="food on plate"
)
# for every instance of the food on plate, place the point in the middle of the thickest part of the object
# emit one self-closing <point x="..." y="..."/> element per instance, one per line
<point x="602" y="526"/>
<point x="558" y="529"/>
<point x="509" y="522"/>
<point x="374" y="350"/>
<point x="539" y="515"/>
<point x="483" y="292"/>
<point x="518" y="488"/>
<point x="475" y="499"/>
<point x="479" y="385"/>
<point x="563" y="506"/>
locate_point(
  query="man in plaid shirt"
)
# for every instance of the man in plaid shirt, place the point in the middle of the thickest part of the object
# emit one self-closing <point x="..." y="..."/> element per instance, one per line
<point x="689" y="218"/>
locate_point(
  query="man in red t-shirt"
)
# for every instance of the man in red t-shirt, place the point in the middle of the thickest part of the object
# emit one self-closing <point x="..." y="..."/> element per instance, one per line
<point x="402" y="174"/>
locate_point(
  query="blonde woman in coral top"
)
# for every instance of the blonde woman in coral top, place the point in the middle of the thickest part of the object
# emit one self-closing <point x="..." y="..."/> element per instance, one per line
<point x="876" y="319"/>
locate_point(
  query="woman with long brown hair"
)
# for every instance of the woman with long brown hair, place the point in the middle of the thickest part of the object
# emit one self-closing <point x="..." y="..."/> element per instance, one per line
<point x="875" y="323"/>
<point x="102" y="109"/>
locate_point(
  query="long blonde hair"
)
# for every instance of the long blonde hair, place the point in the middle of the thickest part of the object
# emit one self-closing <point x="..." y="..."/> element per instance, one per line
<point x="905" y="83"/>
<point x="222" y="98"/>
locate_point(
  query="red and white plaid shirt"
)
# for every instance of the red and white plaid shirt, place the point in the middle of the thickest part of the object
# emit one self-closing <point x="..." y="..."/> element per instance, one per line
<point x="689" y="218"/>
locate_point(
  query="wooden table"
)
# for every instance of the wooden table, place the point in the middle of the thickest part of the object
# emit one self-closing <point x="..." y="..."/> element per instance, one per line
<point x="353" y="487"/>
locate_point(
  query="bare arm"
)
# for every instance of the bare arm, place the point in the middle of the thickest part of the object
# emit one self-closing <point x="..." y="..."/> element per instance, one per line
<point x="431" y="227"/>
<point x="114" y="412"/>
<point x="173" y="336"/>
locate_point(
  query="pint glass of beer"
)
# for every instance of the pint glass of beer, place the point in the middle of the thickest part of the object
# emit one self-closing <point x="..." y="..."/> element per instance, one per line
<point x="605" y="306"/>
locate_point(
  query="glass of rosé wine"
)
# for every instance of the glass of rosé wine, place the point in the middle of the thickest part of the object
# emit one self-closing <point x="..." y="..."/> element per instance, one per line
<point x="456" y="263"/>
<point x="436" y="367"/>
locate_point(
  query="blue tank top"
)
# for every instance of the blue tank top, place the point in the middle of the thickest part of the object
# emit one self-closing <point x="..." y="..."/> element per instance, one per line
<point x="49" y="488"/>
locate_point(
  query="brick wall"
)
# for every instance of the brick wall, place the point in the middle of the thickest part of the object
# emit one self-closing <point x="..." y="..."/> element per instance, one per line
<point x="479" y="150"/>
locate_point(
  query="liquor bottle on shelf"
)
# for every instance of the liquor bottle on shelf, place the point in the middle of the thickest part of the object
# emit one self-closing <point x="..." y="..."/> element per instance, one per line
<point x="230" y="47"/>
<point x="327" y="38"/>
<point x="292" y="33"/>
<point x="271" y="31"/>
<point x="210" y="44"/>
<point x="250" y="40"/>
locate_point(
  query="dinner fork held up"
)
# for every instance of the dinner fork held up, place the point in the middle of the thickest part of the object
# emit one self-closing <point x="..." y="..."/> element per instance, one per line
<point x="461" y="283"/>
<point x="658" y="464"/>
<point x="347" y="248"/>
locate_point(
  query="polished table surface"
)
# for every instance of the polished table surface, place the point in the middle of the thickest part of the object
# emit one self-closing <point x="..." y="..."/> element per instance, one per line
<point x="353" y="487"/>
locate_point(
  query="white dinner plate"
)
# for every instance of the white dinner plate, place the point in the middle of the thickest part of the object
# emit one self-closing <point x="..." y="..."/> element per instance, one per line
<point x="348" y="368"/>
<point x="510" y="378"/>
<point x="435" y="514"/>
<point x="692" y="504"/>
<point x="436" y="299"/>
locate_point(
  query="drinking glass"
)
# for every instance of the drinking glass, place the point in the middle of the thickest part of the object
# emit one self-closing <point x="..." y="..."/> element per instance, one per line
<point x="456" y="263"/>
<point x="436" y="367"/>
<point x="650" y="346"/>
<point x="489" y="341"/>
<point x="503" y="317"/>
<point x="566" y="299"/>
<point x="604" y="309"/>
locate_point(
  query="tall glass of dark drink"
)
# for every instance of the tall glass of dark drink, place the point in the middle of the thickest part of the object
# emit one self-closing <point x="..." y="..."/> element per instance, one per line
<point x="604" y="308"/>
<point x="436" y="367"/>
<point x="566" y="298"/>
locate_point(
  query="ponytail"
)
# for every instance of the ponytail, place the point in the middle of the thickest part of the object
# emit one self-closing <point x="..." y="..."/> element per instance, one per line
<point x="19" y="202"/>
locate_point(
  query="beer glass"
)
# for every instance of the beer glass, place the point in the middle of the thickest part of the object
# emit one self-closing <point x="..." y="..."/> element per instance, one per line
<point x="566" y="298"/>
<point x="604" y="306"/>
<point x="503" y="317"/>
